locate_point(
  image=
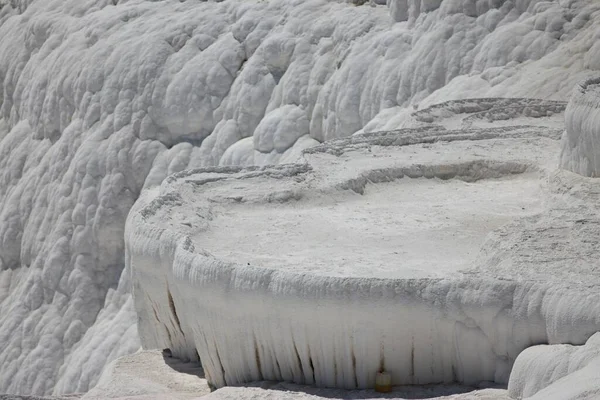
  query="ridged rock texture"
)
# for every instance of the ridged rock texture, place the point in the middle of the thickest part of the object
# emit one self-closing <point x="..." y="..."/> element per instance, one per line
<point x="435" y="254"/>
<point x="101" y="99"/>
<point x="582" y="130"/>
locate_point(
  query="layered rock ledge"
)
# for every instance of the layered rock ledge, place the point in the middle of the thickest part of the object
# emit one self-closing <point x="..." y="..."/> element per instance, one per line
<point x="435" y="254"/>
<point x="582" y="130"/>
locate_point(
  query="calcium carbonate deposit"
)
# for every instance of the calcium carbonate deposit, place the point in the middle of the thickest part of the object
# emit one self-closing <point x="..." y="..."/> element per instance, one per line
<point x="435" y="254"/>
<point x="366" y="186"/>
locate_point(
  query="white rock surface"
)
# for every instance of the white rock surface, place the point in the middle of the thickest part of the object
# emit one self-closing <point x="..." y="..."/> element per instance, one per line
<point x="322" y="273"/>
<point x="582" y="130"/>
<point x="296" y="392"/>
<point x="153" y="375"/>
<point x="149" y="375"/>
<point x="562" y="372"/>
<point x="102" y="98"/>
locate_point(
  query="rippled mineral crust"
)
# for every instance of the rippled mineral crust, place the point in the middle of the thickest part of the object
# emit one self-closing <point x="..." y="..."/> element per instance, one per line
<point x="558" y="372"/>
<point x="383" y="250"/>
<point x="582" y="130"/>
<point x="102" y="99"/>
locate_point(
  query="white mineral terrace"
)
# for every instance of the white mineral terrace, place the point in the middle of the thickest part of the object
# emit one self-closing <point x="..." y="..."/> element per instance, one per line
<point x="407" y="228"/>
<point x="435" y="254"/>
<point x="102" y="100"/>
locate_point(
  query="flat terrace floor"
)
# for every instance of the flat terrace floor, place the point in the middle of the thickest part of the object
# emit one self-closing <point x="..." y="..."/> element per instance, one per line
<point x="407" y="228"/>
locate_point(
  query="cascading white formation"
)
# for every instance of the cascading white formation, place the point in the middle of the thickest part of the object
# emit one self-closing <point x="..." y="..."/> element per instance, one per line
<point x="565" y="372"/>
<point x="582" y="130"/>
<point x="558" y="372"/>
<point x="102" y="98"/>
<point x="326" y="272"/>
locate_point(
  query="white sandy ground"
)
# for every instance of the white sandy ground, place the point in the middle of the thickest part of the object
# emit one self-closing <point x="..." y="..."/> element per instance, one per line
<point x="151" y="375"/>
<point x="99" y="99"/>
<point x="148" y="375"/>
<point x="289" y="392"/>
<point x="566" y="372"/>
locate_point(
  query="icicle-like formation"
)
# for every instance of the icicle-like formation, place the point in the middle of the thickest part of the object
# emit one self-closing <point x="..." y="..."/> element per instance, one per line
<point x="336" y="325"/>
<point x="100" y="99"/>
<point x="580" y="151"/>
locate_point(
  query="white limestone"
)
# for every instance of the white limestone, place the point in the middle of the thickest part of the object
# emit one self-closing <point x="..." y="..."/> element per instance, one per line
<point x="582" y="130"/>
<point x="101" y="99"/>
<point x="149" y="375"/>
<point x="558" y="372"/>
<point x="326" y="275"/>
